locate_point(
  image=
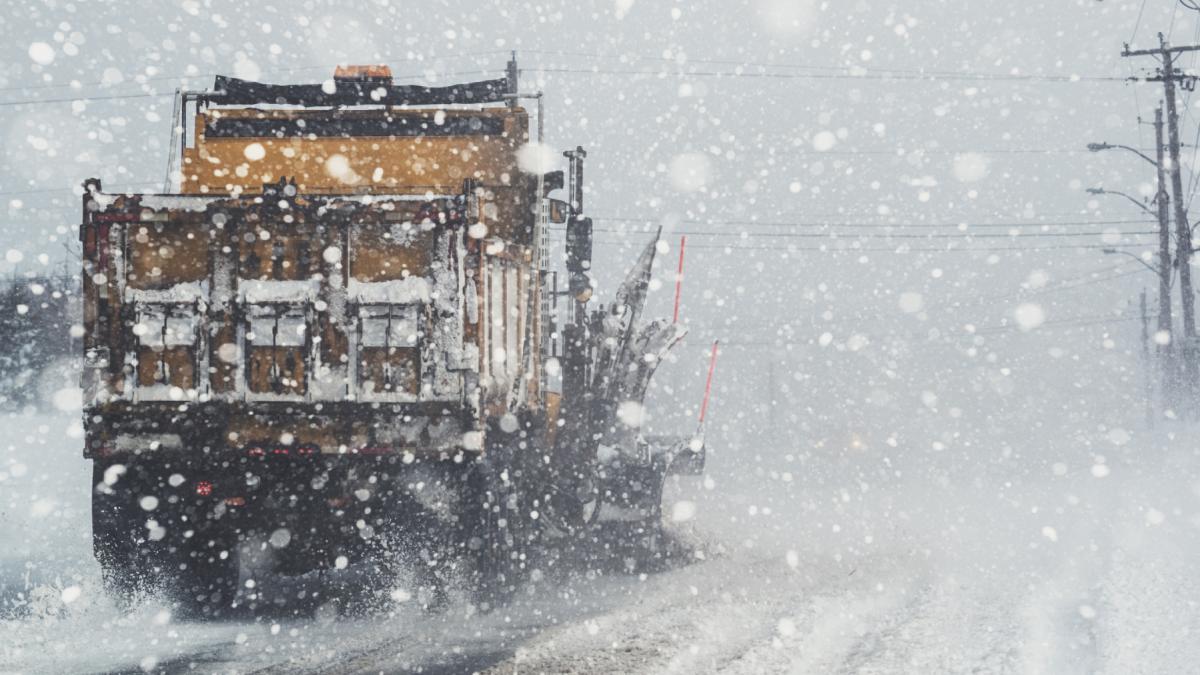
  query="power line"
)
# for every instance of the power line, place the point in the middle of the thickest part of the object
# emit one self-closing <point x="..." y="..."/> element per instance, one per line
<point x="792" y="248"/>
<point x="861" y="236"/>
<point x="142" y="80"/>
<point x="85" y="98"/>
<point x="915" y="76"/>
<point x="13" y="193"/>
<point x="986" y="331"/>
<point x="1187" y="111"/>
<point x="1072" y="322"/>
<point x="324" y="66"/>
<point x="1137" y="23"/>
<point x="848" y="72"/>
<point x="1069" y="284"/>
<point x="902" y="152"/>
<point x="959" y="224"/>
<point x="1065" y="285"/>
<point x="843" y="213"/>
<point x="160" y="95"/>
<point x="857" y="74"/>
<point x="1083" y="283"/>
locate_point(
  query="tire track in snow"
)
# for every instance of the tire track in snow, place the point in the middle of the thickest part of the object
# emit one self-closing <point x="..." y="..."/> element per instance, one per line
<point x="944" y="627"/>
<point x="720" y="616"/>
<point x="832" y="632"/>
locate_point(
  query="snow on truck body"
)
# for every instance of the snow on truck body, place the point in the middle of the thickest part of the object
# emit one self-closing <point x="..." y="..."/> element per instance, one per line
<point x="334" y="276"/>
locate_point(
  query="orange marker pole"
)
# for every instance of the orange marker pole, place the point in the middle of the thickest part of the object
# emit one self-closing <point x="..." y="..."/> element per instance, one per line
<point x="679" y="278"/>
<point x="712" y="366"/>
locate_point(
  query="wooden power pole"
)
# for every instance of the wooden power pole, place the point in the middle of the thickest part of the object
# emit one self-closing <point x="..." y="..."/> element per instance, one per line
<point x="1168" y="364"/>
<point x="1146" y="367"/>
<point x="1168" y="75"/>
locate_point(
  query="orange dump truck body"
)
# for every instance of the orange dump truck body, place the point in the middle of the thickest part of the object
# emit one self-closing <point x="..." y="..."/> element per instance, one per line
<point x="342" y="268"/>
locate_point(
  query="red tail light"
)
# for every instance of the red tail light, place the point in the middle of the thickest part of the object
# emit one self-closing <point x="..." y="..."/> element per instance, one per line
<point x="307" y="450"/>
<point x="255" y="451"/>
<point x="235" y="501"/>
<point x="204" y="488"/>
<point x="279" y="451"/>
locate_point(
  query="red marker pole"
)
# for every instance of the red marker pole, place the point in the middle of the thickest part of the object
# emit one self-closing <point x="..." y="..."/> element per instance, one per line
<point x="712" y="366"/>
<point x="679" y="278"/>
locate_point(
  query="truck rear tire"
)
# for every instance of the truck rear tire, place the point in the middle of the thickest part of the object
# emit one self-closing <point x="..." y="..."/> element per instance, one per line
<point x="205" y="580"/>
<point x="118" y="538"/>
<point x="499" y="530"/>
<point x="139" y="557"/>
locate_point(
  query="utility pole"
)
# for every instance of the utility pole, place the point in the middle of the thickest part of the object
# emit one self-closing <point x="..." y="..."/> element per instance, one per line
<point x="1148" y="383"/>
<point x="1169" y="365"/>
<point x="1166" y="324"/>
<point x="1168" y="75"/>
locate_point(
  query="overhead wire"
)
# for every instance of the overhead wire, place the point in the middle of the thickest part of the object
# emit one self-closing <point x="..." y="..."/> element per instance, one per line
<point x="904" y="152"/>
<point x="890" y="75"/>
<point x="835" y="72"/>
<point x="139" y="79"/>
<point x="882" y="74"/>
<point x="886" y="235"/>
<point x="1070" y="322"/>
<point x="1195" y="181"/>
<point x="1070" y="284"/>
<point x="914" y="76"/>
<point x="151" y="94"/>
<point x="1137" y="22"/>
<point x="13" y="193"/>
<point x="899" y="249"/>
<point x="897" y="225"/>
<point x="87" y="98"/>
<point x="995" y="330"/>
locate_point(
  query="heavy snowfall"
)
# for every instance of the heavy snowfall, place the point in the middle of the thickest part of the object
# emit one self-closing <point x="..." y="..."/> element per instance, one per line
<point x="948" y="430"/>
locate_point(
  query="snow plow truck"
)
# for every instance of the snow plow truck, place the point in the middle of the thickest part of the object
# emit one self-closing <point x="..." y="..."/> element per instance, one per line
<point x="332" y="347"/>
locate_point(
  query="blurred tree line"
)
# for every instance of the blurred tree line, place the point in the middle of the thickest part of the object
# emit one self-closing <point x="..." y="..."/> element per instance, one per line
<point x="40" y="330"/>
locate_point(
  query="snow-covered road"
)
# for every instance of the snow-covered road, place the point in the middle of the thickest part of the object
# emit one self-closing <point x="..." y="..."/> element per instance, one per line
<point x="1071" y="567"/>
<point x="740" y="612"/>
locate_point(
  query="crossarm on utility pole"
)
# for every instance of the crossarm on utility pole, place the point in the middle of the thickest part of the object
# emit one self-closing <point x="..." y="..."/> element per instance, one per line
<point x="1162" y="49"/>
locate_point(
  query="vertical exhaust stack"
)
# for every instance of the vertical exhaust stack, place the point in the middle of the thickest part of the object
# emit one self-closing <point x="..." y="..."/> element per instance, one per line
<point x="512" y="77"/>
<point x="577" y="356"/>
